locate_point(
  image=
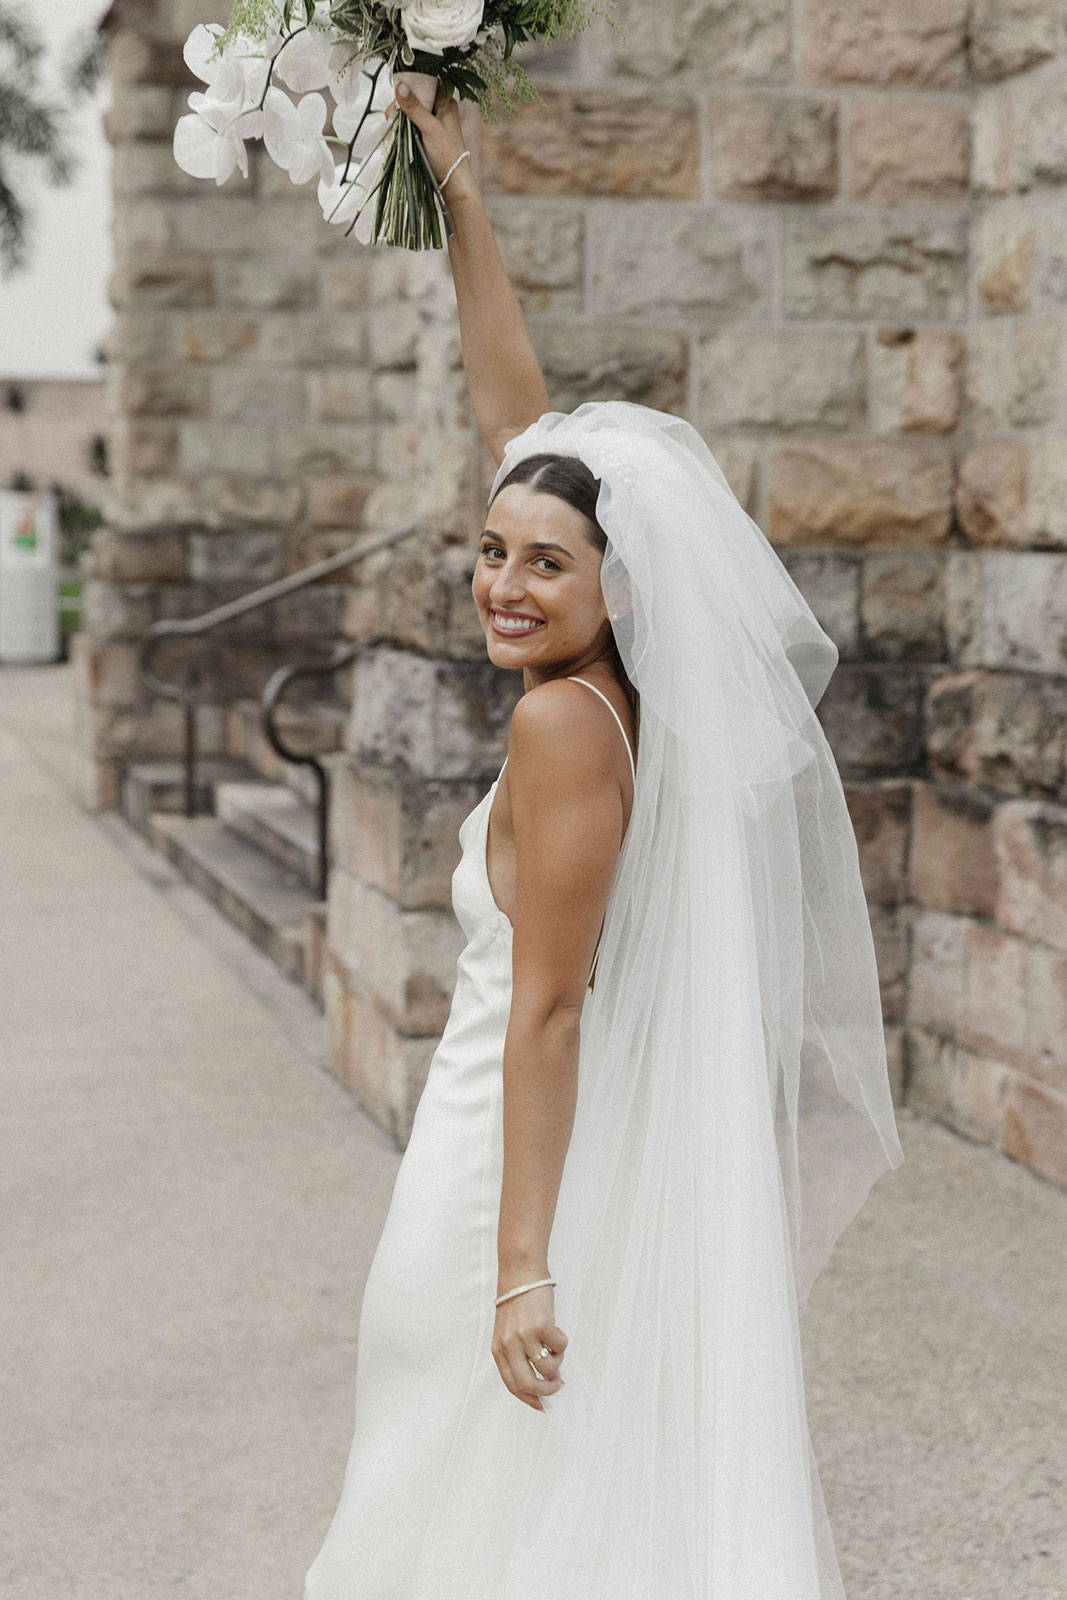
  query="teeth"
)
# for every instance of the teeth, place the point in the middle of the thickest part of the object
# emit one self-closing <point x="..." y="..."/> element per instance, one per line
<point x="516" y="625"/>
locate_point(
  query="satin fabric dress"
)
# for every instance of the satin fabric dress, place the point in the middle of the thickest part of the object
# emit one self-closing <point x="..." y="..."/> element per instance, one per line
<point x="428" y="1507"/>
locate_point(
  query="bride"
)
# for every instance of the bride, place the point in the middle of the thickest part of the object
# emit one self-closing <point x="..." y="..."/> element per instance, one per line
<point x="661" y="1092"/>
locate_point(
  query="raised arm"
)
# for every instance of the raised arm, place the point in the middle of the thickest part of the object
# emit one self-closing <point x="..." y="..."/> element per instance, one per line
<point x="504" y="377"/>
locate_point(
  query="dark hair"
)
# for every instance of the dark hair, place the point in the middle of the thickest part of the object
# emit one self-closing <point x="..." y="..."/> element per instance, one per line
<point x="571" y="480"/>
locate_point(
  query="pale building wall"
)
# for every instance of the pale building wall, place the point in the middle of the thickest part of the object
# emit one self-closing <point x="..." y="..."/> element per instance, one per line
<point x="50" y="438"/>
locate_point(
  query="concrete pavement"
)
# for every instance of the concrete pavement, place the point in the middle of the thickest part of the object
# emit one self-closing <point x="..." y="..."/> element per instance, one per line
<point x="190" y="1204"/>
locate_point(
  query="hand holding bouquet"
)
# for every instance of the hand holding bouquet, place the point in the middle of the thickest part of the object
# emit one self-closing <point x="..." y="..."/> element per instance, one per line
<point x="375" y="178"/>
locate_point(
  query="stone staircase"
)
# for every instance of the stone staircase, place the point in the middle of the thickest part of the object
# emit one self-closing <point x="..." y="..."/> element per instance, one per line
<point x="251" y="850"/>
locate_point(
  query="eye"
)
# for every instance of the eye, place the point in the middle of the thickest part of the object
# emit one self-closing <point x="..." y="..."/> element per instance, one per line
<point x="488" y="549"/>
<point x="553" y="564"/>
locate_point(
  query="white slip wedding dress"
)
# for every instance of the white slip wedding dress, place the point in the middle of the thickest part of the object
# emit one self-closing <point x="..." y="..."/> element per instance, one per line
<point x="431" y="1506"/>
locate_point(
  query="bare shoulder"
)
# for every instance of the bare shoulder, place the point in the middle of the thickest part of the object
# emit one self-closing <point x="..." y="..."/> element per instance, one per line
<point x="561" y="731"/>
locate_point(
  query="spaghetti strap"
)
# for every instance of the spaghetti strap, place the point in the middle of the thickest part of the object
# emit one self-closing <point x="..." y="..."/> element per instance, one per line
<point x="573" y="678"/>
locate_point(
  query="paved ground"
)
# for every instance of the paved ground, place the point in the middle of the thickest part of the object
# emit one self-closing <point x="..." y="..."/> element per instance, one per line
<point x="190" y="1204"/>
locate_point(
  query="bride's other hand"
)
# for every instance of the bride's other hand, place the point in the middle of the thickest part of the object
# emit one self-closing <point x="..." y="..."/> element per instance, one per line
<point x="523" y="1325"/>
<point x="442" y="136"/>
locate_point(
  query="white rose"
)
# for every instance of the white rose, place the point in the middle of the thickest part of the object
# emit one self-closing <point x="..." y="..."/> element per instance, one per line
<point x="435" y="26"/>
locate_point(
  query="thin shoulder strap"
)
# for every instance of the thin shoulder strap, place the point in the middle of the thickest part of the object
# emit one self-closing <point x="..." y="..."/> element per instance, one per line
<point x="575" y="679"/>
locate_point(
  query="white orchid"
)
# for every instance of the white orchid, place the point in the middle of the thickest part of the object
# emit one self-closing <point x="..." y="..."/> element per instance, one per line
<point x="209" y="142"/>
<point x="293" y="135"/>
<point x="366" y="106"/>
<point x="303" y="59"/>
<point x="342" y="199"/>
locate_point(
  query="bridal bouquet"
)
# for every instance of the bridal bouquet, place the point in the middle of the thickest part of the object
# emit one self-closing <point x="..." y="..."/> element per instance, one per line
<point x="374" y="175"/>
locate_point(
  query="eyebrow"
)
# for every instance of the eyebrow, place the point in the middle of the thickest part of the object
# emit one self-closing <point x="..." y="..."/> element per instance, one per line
<point x="535" y="544"/>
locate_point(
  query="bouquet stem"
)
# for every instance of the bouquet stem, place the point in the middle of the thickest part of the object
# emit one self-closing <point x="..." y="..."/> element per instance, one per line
<point x="410" y="203"/>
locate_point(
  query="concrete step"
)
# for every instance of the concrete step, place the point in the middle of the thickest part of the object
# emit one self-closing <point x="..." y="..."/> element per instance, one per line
<point x="276" y="820"/>
<point x="150" y="787"/>
<point x="316" y="729"/>
<point x="268" y="902"/>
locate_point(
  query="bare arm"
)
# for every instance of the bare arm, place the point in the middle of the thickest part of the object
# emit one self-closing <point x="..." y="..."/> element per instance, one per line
<point x="567" y="813"/>
<point x="504" y="377"/>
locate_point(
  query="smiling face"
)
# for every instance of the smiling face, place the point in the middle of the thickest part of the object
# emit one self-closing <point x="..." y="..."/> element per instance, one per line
<point x="537" y="586"/>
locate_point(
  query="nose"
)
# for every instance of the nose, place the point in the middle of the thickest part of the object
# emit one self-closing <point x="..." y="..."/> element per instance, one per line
<point x="507" y="587"/>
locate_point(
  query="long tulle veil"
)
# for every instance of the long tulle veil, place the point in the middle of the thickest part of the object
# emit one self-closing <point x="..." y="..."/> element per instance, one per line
<point x="733" y="1104"/>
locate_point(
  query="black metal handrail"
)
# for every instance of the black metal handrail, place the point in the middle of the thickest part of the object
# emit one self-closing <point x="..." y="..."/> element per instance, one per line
<point x="276" y="686"/>
<point x="219" y="616"/>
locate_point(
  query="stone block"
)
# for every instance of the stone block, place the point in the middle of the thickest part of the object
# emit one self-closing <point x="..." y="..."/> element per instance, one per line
<point x="254" y="558"/>
<point x="313" y="613"/>
<point x="135" y="56"/>
<point x="445" y="719"/>
<point x="1035" y="1128"/>
<point x="953" y="862"/>
<point x="313" y="338"/>
<point x="106" y="671"/>
<point x="993" y="143"/>
<point x="394" y="335"/>
<point x="1007" y="609"/>
<point x="646" y="365"/>
<point x="902" y="605"/>
<point x="116" y="610"/>
<point x="141" y="223"/>
<point x="758" y="376"/>
<point x="241" y="448"/>
<point x="337" y="502"/>
<point x="968" y="1092"/>
<point x="143" y="503"/>
<point x="142" y="111"/>
<point x="398" y="833"/>
<point x="163" y="392"/>
<point x="880" y="812"/>
<point x="1006" y="729"/>
<point x="157" y="557"/>
<point x="1039" y="103"/>
<point x="229" y="500"/>
<point x="907" y="147"/>
<point x="588" y="143"/>
<point x="542" y="245"/>
<point x="149" y="277"/>
<point x="672" y="261"/>
<point x="406" y="958"/>
<point x="217" y="338"/>
<point x="937" y="986"/>
<point x="992" y="491"/>
<point x="916" y="380"/>
<point x="773" y="146"/>
<point x="384" y="1068"/>
<point x="347" y="282"/>
<point x="266" y="283"/>
<point x="1030" y="841"/>
<point x="1012" y="375"/>
<point x="899" y="263"/>
<point x="889" y="931"/>
<point x="739" y="460"/>
<point x="268" y="394"/>
<point x="1008" y="36"/>
<point x="141" y="337"/>
<point x="885" y="41"/>
<point x="325" y="447"/>
<point x="394" y="396"/>
<point x="872" y="717"/>
<point x="230" y="223"/>
<point x="830" y="583"/>
<point x="742" y="40"/>
<point x="143" y="446"/>
<point x="141" y="167"/>
<point x="342" y="397"/>
<point x="1005" y="248"/>
<point x="994" y="1020"/>
<point x="860" y="492"/>
<point x="1046" y="511"/>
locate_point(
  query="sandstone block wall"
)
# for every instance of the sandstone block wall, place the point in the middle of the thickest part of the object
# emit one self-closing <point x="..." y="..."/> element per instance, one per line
<point x="830" y="232"/>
